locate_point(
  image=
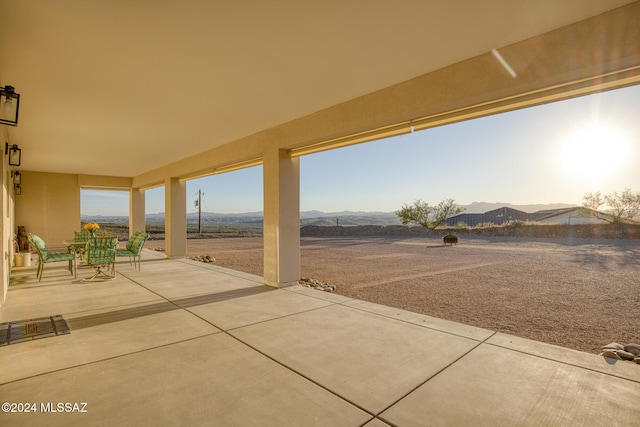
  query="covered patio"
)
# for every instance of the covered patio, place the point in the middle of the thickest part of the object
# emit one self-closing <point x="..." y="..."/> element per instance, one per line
<point x="137" y="95"/>
<point x="182" y="342"/>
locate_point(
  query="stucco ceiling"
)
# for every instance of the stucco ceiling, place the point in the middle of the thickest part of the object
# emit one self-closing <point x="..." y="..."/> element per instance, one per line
<point x="122" y="87"/>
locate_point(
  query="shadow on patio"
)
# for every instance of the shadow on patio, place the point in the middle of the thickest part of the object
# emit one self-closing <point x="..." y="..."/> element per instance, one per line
<point x="182" y="342"/>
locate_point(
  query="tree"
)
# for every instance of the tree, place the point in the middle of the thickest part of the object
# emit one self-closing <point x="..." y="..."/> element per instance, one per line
<point x="593" y="201"/>
<point x="624" y="206"/>
<point x="428" y="216"/>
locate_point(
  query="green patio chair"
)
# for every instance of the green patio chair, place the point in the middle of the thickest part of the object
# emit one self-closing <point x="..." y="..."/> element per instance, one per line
<point x="100" y="253"/>
<point x="134" y="247"/>
<point x="81" y="236"/>
<point x="46" y="256"/>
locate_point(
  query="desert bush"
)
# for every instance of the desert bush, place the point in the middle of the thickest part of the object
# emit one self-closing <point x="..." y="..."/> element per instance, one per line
<point x="625" y="206"/>
<point x="428" y="216"/>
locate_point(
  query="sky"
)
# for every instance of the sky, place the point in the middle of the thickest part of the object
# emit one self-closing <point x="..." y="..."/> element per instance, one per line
<point x="554" y="153"/>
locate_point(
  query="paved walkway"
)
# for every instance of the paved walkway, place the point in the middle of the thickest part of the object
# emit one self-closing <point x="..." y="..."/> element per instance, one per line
<point x="187" y="343"/>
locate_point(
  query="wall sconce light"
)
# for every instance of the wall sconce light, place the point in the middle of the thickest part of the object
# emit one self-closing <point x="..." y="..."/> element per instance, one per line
<point x="15" y="154"/>
<point x="9" y="105"/>
<point x="17" y="182"/>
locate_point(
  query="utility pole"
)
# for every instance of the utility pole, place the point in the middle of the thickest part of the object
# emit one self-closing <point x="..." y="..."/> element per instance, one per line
<point x="199" y="206"/>
<point x="199" y="210"/>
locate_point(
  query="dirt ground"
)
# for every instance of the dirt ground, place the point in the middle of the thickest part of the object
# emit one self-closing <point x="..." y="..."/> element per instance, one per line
<point x="576" y="293"/>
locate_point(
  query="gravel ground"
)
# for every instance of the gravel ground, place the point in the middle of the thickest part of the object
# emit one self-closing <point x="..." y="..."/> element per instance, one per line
<point x="576" y="293"/>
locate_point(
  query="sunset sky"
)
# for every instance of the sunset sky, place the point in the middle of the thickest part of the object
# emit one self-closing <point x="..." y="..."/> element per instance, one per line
<point x="553" y="153"/>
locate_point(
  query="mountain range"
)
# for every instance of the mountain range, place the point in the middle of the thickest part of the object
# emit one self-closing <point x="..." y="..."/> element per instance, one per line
<point x="314" y="217"/>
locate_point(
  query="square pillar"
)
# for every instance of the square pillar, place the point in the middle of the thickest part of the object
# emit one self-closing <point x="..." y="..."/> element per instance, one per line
<point x="281" y="218"/>
<point x="137" y="221"/>
<point x="175" y="218"/>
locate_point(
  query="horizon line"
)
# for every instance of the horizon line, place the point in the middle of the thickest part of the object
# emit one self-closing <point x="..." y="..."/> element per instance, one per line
<point x="566" y="205"/>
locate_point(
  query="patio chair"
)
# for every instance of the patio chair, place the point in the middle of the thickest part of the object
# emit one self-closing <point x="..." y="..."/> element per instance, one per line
<point x="134" y="247"/>
<point x="46" y="256"/>
<point x="80" y="236"/>
<point x="100" y="253"/>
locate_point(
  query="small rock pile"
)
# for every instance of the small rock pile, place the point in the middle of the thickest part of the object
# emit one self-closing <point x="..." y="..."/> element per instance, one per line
<point x="316" y="284"/>
<point x="615" y="351"/>
<point x="203" y="258"/>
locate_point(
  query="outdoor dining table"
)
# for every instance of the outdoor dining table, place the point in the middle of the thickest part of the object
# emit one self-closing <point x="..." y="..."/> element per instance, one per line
<point x="73" y="247"/>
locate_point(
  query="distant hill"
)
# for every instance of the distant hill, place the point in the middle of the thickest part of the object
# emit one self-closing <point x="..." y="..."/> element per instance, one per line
<point x="348" y="218"/>
<point x="105" y="218"/>
<point x="254" y="220"/>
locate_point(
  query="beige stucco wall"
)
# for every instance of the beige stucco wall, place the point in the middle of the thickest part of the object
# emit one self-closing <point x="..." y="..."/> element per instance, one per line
<point x="100" y="182"/>
<point x="6" y="221"/>
<point x="49" y="206"/>
<point x="281" y="218"/>
<point x="137" y="221"/>
<point x="175" y="222"/>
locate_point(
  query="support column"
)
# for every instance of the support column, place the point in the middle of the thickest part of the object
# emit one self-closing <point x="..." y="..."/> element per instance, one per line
<point x="281" y="218"/>
<point x="137" y="221"/>
<point x="175" y="218"/>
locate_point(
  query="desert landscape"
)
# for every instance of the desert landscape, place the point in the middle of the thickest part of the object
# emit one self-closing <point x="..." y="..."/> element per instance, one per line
<point x="572" y="292"/>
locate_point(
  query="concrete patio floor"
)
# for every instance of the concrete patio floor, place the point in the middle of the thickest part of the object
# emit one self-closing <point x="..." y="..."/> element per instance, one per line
<point x="187" y="343"/>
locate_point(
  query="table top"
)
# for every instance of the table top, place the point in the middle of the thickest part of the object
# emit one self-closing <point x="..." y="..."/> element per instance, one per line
<point x="72" y="242"/>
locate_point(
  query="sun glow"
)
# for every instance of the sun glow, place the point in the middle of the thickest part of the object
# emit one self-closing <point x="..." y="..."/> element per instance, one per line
<point x="595" y="152"/>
